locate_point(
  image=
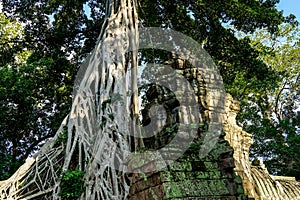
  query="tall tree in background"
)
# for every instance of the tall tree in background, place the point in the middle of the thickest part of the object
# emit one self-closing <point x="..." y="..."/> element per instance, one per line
<point x="35" y="95"/>
<point x="271" y="108"/>
<point x="10" y="35"/>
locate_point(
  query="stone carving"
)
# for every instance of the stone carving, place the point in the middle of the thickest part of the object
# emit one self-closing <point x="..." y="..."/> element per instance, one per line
<point x="191" y="176"/>
<point x="225" y="173"/>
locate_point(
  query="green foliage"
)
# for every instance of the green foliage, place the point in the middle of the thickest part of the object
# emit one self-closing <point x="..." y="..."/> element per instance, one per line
<point x="11" y="34"/>
<point x="34" y="92"/>
<point x="172" y="130"/>
<point x="72" y="184"/>
<point x="142" y="149"/>
<point x="8" y="165"/>
<point x="32" y="105"/>
<point x="62" y="137"/>
<point x="270" y="106"/>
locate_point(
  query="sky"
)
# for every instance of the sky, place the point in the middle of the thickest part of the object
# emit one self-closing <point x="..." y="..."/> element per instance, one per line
<point x="290" y="7"/>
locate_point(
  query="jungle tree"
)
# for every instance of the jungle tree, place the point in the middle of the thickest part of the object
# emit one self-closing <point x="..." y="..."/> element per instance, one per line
<point x="63" y="32"/>
<point x="90" y="130"/>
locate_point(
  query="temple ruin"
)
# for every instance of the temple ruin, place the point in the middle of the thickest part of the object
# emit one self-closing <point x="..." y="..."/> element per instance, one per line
<point x="101" y="132"/>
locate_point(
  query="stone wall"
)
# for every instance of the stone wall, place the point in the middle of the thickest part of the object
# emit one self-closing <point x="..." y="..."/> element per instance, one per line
<point x="241" y="142"/>
<point x="226" y="172"/>
<point x="257" y="181"/>
<point x="191" y="176"/>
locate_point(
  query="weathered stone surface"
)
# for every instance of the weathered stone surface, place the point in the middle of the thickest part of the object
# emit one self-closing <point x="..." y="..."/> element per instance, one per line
<point x="191" y="176"/>
<point x="225" y="173"/>
<point x="257" y="181"/>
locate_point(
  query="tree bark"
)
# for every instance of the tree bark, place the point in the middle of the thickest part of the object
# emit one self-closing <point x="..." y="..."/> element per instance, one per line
<point x="98" y="129"/>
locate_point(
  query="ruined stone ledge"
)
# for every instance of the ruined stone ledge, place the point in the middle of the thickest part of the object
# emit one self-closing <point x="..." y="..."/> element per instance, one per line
<point x="283" y="178"/>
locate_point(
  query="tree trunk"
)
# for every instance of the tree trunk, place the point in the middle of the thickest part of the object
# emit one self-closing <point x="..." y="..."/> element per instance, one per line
<point x="98" y="130"/>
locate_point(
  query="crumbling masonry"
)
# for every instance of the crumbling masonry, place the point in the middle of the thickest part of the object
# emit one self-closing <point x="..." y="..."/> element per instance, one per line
<point x="226" y="172"/>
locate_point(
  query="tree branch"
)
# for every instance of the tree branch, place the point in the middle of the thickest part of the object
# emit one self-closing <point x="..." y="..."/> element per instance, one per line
<point x="277" y="101"/>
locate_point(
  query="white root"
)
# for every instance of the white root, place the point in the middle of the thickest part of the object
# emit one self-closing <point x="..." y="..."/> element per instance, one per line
<point x="98" y="135"/>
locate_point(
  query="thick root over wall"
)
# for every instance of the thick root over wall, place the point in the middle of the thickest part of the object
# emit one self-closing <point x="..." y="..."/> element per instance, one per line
<point x="95" y="135"/>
